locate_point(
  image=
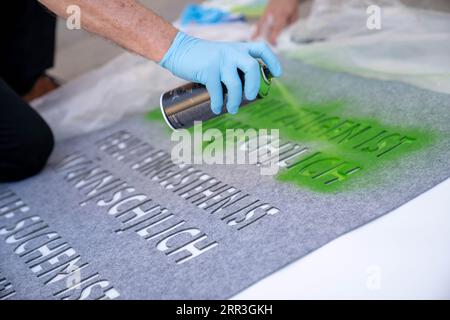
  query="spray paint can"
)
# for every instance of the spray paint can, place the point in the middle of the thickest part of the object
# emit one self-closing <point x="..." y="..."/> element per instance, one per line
<point x="191" y="102"/>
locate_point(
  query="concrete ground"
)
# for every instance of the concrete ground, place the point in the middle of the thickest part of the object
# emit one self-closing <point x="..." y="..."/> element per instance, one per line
<point x="78" y="51"/>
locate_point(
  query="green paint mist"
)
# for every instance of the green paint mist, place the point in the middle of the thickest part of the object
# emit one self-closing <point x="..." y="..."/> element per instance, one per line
<point x="341" y="151"/>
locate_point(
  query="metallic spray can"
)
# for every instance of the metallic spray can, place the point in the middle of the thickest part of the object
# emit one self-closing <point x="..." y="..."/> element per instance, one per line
<point x="191" y="102"/>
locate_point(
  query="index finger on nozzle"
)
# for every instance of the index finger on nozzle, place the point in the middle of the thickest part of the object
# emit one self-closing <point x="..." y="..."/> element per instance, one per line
<point x="262" y="51"/>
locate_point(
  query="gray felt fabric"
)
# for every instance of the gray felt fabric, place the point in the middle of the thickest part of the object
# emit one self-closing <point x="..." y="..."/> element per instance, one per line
<point x="117" y="260"/>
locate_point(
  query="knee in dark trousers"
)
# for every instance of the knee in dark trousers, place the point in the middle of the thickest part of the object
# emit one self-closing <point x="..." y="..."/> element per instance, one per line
<point x="26" y="141"/>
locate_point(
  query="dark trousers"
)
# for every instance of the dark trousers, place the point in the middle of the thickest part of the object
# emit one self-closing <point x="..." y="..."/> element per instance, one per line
<point x="25" y="139"/>
<point x="27" y="40"/>
<point x="27" y="35"/>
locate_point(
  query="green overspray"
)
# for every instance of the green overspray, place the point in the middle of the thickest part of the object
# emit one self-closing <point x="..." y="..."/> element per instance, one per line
<point x="340" y="150"/>
<point x="250" y="11"/>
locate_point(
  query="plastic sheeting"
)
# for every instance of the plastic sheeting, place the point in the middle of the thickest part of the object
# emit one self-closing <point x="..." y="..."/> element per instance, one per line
<point x="412" y="46"/>
<point x="126" y="85"/>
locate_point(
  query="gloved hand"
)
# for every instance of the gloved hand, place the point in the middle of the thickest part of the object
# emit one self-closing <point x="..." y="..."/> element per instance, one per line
<point x="211" y="62"/>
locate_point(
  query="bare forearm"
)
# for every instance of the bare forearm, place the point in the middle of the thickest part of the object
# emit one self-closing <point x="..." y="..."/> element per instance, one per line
<point x="126" y="22"/>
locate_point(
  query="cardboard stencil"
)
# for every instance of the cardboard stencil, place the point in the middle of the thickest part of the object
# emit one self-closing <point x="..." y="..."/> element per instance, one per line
<point x="113" y="217"/>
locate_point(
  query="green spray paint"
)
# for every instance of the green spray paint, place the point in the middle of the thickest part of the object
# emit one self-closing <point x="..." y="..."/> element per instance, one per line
<point x="341" y="151"/>
<point x="249" y="11"/>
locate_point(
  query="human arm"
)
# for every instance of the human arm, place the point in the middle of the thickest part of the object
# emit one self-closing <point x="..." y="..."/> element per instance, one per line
<point x="278" y="15"/>
<point x="140" y="30"/>
<point x="126" y="22"/>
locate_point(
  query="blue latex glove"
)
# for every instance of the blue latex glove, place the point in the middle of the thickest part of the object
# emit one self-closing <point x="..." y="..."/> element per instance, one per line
<point x="210" y="63"/>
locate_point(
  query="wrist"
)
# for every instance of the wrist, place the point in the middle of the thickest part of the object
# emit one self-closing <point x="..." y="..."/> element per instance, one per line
<point x="166" y="44"/>
<point x="178" y="45"/>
